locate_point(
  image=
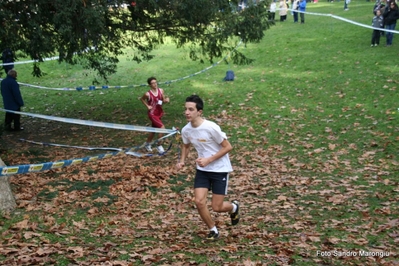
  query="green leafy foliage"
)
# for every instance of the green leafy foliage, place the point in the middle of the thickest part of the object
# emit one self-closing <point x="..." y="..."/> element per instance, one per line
<point x="98" y="30"/>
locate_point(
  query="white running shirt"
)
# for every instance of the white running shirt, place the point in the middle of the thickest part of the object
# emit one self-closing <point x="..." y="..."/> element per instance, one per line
<point x="206" y="139"/>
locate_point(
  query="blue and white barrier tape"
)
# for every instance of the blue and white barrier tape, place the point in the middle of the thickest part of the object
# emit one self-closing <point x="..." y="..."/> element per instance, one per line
<point x="96" y="124"/>
<point x="340" y="18"/>
<point x="34" y="168"/>
<point x="71" y="146"/>
<point x="37" y="60"/>
<point x="30" y="61"/>
<point x="80" y="88"/>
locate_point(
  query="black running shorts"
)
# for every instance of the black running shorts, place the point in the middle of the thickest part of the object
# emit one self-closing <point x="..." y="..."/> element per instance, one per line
<point x="217" y="182"/>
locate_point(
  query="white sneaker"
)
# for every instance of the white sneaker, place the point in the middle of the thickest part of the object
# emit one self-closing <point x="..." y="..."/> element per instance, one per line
<point x="148" y="147"/>
<point x="160" y="149"/>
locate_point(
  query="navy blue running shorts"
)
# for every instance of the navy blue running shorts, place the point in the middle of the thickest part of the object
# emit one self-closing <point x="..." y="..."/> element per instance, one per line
<point x="217" y="182"/>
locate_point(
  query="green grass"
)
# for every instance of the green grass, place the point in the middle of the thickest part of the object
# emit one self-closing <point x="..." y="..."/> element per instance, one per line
<point x="313" y="122"/>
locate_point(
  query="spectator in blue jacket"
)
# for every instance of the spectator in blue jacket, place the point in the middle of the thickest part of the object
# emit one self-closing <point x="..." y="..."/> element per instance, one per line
<point x="12" y="100"/>
<point x="302" y="8"/>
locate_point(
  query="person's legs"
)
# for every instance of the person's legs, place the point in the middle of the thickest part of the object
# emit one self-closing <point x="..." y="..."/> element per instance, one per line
<point x="220" y="183"/>
<point x="389" y="38"/>
<point x="389" y="35"/>
<point x="7" y="121"/>
<point x="200" y="195"/>
<point x="202" y="184"/>
<point x="160" y="142"/>
<point x="219" y="205"/>
<point x="392" y="28"/>
<point x="377" y="37"/>
<point x="373" y="38"/>
<point x="157" y="123"/>
<point x="302" y="17"/>
<point x="17" y="122"/>
<point x="150" y="137"/>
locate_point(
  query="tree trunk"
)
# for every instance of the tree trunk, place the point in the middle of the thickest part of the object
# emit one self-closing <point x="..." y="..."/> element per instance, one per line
<point x="7" y="200"/>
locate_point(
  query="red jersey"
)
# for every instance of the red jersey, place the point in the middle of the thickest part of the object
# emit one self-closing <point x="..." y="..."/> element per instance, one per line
<point x="156" y="102"/>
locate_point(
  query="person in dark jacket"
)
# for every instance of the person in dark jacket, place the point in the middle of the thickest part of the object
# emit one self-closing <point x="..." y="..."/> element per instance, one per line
<point x="391" y="15"/>
<point x="12" y="100"/>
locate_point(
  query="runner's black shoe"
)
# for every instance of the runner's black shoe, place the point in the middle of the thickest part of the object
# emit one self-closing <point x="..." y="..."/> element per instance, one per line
<point x="235" y="216"/>
<point x="212" y="236"/>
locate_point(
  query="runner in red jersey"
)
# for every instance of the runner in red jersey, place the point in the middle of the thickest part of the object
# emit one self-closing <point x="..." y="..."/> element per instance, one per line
<point x="153" y="100"/>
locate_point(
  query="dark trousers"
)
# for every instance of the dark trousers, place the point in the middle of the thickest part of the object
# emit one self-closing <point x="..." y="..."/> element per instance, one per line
<point x="272" y="16"/>
<point x="389" y="35"/>
<point x="302" y="15"/>
<point x="10" y="117"/>
<point x="295" y="16"/>
<point x="375" y="37"/>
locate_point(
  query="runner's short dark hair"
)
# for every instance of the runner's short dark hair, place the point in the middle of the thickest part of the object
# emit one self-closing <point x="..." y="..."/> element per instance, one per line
<point x="199" y="104"/>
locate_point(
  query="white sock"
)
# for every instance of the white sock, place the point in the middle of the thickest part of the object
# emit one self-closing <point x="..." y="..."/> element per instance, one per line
<point x="214" y="229"/>
<point x="234" y="208"/>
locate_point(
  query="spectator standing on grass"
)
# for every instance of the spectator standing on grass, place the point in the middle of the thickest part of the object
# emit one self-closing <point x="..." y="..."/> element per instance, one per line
<point x="272" y="10"/>
<point x="12" y="100"/>
<point x="283" y="11"/>
<point x="346" y="3"/>
<point x="153" y="100"/>
<point x="302" y="9"/>
<point x="295" y="6"/>
<point x="212" y="165"/>
<point x="391" y="15"/>
<point x="377" y="23"/>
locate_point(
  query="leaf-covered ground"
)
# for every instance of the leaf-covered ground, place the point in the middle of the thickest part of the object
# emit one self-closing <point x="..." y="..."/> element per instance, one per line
<point x="126" y="210"/>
